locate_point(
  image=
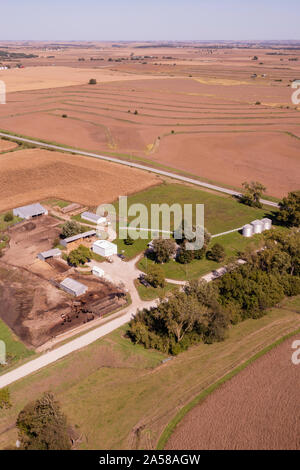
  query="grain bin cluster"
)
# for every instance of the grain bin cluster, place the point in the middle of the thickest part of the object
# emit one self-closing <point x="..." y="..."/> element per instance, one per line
<point x="257" y="226"/>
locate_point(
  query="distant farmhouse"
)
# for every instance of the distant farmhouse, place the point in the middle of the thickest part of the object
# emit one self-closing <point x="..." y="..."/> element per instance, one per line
<point x="31" y="211"/>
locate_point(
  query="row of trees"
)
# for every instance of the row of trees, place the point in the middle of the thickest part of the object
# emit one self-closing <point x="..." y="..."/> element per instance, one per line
<point x="203" y="311"/>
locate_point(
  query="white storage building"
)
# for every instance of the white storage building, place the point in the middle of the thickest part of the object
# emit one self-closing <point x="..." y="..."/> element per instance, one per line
<point x="258" y="226"/>
<point x="73" y="287"/>
<point x="31" y="211"/>
<point x="94" y="218"/>
<point x="98" y="271"/>
<point x="104" y="248"/>
<point x="267" y="223"/>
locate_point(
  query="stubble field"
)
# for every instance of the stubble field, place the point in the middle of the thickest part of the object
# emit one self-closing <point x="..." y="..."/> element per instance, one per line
<point x="34" y="175"/>
<point x="257" y="409"/>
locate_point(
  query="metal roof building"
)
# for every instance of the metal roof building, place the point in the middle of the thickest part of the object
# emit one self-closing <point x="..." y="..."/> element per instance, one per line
<point x="105" y="248"/>
<point x="91" y="217"/>
<point x="79" y="236"/>
<point x="49" y="254"/>
<point x="28" y="212"/>
<point x="73" y="287"/>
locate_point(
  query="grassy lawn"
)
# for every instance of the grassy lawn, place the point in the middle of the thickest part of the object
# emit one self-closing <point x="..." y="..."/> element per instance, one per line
<point x="221" y="213"/>
<point x="151" y="293"/>
<point x="15" y="350"/>
<point x="232" y="242"/>
<point x="56" y="202"/>
<point x="112" y="387"/>
<point x="4" y="225"/>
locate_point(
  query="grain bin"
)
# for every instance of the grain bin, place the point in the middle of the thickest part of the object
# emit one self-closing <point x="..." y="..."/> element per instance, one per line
<point x="267" y="223"/>
<point x="258" y="226"/>
<point x="247" y="230"/>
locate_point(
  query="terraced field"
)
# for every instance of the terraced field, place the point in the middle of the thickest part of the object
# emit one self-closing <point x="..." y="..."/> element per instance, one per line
<point x="222" y="131"/>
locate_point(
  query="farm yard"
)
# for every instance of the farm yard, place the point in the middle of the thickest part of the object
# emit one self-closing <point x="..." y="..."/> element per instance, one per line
<point x="140" y="394"/>
<point x="257" y="409"/>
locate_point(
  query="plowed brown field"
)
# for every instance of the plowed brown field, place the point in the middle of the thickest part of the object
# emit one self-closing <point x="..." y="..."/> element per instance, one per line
<point x="208" y="127"/>
<point x="35" y="174"/>
<point x="257" y="409"/>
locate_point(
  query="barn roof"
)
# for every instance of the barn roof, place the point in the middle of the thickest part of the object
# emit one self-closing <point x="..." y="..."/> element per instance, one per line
<point x="51" y="253"/>
<point x="31" y="210"/>
<point x="74" y="286"/>
<point x="90" y="233"/>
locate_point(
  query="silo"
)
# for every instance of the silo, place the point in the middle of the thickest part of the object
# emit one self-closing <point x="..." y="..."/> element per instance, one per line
<point x="258" y="226"/>
<point x="247" y="230"/>
<point x="267" y="223"/>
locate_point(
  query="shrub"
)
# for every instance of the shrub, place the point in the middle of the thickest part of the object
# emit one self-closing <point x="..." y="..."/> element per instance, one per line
<point x="129" y="241"/>
<point x="155" y="276"/>
<point x="8" y="217"/>
<point x="70" y="228"/>
<point x="216" y="253"/>
<point x="80" y="256"/>
<point x="43" y="426"/>
<point x="163" y="249"/>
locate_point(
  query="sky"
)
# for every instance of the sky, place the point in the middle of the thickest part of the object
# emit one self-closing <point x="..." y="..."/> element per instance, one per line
<point x="143" y="20"/>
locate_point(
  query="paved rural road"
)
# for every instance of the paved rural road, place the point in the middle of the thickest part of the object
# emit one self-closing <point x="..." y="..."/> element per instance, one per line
<point x="134" y="165"/>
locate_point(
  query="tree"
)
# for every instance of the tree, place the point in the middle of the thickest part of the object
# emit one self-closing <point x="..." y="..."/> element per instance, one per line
<point x="5" y="398"/>
<point x="163" y="249"/>
<point x="289" y="210"/>
<point x="155" y="276"/>
<point x="252" y="194"/>
<point x="216" y="253"/>
<point x="79" y="256"/>
<point x="70" y="228"/>
<point x="8" y="217"/>
<point x="93" y="81"/>
<point x="43" y="426"/>
<point x="185" y="256"/>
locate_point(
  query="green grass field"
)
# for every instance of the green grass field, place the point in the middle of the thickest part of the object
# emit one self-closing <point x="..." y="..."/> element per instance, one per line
<point x="122" y="396"/>
<point x="151" y="293"/>
<point x="4" y="225"/>
<point x="233" y="244"/>
<point x="221" y="213"/>
<point x="15" y="350"/>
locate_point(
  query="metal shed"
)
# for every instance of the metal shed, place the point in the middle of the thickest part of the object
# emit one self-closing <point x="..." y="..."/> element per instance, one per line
<point x="49" y="254"/>
<point x="105" y="248"/>
<point x="28" y="212"/>
<point x="73" y="287"/>
<point x="91" y="217"/>
<point x="90" y="233"/>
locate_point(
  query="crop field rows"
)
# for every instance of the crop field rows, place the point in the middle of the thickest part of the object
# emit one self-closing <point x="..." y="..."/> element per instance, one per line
<point x="204" y="129"/>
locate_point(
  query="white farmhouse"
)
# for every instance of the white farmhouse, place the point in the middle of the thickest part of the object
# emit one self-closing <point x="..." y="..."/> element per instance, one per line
<point x="104" y="248"/>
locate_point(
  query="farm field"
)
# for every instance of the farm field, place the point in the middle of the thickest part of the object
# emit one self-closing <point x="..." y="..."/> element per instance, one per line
<point x="34" y="175"/>
<point x="139" y="394"/>
<point x="221" y="116"/>
<point x="6" y="145"/>
<point x="256" y="409"/>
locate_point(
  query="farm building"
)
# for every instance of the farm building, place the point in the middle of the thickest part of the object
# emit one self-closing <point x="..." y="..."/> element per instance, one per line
<point x="91" y="217"/>
<point x="98" y="271"/>
<point x="258" y="226"/>
<point x="104" y="248"/>
<point x="78" y="237"/>
<point x="31" y="211"/>
<point x="70" y="208"/>
<point x="55" y="253"/>
<point x="267" y="223"/>
<point x="73" y="287"/>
